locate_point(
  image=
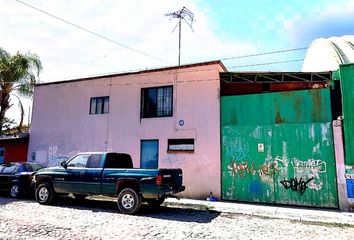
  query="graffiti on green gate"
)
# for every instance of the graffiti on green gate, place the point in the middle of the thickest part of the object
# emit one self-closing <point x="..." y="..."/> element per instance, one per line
<point x="309" y="169"/>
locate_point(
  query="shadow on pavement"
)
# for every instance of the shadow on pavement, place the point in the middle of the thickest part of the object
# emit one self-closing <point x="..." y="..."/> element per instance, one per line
<point x="163" y="212"/>
<point x="5" y="198"/>
<point x="179" y="214"/>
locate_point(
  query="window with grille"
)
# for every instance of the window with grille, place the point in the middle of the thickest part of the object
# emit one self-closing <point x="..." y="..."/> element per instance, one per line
<point x="156" y="102"/>
<point x="99" y="105"/>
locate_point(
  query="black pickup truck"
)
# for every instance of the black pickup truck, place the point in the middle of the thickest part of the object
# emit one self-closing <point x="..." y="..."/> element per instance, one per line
<point x="110" y="174"/>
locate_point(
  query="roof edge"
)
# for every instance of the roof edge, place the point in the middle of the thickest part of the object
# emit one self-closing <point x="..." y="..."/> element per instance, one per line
<point x="138" y="72"/>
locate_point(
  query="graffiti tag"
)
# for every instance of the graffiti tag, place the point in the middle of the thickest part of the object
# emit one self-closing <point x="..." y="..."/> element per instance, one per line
<point x="173" y="160"/>
<point x="312" y="168"/>
<point x="295" y="184"/>
<point x="244" y="168"/>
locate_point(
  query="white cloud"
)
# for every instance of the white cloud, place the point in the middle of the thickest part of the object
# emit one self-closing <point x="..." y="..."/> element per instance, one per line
<point x="67" y="52"/>
<point x="330" y="19"/>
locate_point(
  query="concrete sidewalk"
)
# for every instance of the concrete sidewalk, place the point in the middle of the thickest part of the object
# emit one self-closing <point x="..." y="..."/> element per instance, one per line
<point x="281" y="212"/>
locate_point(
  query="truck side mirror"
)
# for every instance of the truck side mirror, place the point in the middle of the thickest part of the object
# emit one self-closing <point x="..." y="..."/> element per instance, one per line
<point x="64" y="164"/>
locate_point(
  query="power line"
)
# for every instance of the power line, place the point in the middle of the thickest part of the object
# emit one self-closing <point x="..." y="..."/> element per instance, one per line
<point x="268" y="63"/>
<point x="64" y="84"/>
<point x="142" y="72"/>
<point x="81" y="83"/>
<point x="91" y="32"/>
<point x="265" y="53"/>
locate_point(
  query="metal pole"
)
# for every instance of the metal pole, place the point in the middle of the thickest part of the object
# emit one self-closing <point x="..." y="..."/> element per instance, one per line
<point x="179" y="44"/>
<point x="186" y="15"/>
<point x="29" y="115"/>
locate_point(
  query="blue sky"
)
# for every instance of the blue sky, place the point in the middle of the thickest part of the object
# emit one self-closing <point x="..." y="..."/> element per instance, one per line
<point x="222" y="29"/>
<point x="266" y="22"/>
<point x="279" y="24"/>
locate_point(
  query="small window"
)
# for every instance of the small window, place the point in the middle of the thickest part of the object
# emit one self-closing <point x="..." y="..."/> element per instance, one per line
<point x="79" y="161"/>
<point x="181" y="145"/>
<point x="121" y="160"/>
<point x="95" y="161"/>
<point x="156" y="102"/>
<point x="99" y="105"/>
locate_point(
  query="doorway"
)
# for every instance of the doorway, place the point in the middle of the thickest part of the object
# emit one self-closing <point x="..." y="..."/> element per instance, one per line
<point x="149" y="154"/>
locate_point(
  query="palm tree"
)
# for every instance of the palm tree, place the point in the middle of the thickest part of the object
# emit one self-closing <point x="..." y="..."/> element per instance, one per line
<point x="18" y="73"/>
<point x="20" y="105"/>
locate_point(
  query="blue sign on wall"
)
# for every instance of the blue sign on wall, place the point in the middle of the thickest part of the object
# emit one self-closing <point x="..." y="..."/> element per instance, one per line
<point x="350" y="188"/>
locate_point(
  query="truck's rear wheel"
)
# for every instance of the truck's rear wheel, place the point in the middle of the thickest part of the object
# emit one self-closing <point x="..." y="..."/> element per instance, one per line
<point x="129" y="201"/>
<point x="45" y="193"/>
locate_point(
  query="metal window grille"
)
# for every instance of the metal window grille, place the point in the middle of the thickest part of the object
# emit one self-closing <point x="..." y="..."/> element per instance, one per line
<point x="156" y="102"/>
<point x="99" y="105"/>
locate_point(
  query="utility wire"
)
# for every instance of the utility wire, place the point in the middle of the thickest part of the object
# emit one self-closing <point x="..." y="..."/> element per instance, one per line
<point x="83" y="84"/>
<point x="146" y="72"/>
<point x="265" y="53"/>
<point x="91" y="32"/>
<point x="268" y="63"/>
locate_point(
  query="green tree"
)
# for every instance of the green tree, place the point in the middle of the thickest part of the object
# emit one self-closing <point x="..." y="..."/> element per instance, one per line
<point x="18" y="74"/>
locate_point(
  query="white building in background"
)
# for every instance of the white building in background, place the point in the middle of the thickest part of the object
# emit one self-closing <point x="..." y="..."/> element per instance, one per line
<point x="325" y="54"/>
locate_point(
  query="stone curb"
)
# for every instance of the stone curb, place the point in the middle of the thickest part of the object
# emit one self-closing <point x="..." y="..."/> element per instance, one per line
<point x="280" y="212"/>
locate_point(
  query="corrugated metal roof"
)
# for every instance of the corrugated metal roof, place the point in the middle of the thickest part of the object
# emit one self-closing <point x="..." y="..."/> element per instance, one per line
<point x="254" y="77"/>
<point x="325" y="54"/>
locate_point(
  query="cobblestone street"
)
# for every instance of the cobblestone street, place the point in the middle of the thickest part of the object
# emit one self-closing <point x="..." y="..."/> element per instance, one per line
<point x="99" y="219"/>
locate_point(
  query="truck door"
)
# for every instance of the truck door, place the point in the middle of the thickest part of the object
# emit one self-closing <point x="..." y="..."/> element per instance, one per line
<point x="92" y="176"/>
<point x="74" y="175"/>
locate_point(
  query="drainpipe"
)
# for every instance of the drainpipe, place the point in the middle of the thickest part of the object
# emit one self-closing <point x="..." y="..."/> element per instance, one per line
<point x="108" y="122"/>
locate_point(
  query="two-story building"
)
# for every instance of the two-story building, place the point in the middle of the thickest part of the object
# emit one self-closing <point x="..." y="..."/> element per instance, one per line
<point x="165" y="118"/>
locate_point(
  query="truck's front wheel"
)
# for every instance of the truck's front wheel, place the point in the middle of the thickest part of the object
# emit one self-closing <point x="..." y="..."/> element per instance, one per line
<point x="129" y="201"/>
<point x="45" y="193"/>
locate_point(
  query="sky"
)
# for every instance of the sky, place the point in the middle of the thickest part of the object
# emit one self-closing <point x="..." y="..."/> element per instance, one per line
<point x="144" y="38"/>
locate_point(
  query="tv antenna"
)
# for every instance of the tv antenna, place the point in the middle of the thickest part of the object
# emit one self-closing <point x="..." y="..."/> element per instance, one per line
<point x="188" y="17"/>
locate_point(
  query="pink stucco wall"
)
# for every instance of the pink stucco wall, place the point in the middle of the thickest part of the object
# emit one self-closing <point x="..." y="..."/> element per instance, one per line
<point x="62" y="126"/>
<point x="344" y="202"/>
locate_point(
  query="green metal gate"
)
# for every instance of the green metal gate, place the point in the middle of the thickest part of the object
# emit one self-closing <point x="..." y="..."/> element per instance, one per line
<point x="278" y="148"/>
<point x="347" y="88"/>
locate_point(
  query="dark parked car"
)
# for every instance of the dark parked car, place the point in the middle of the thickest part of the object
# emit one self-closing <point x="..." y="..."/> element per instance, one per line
<point x="16" y="177"/>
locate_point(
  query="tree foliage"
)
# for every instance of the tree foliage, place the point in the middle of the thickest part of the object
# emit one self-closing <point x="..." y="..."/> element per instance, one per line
<point x="18" y="74"/>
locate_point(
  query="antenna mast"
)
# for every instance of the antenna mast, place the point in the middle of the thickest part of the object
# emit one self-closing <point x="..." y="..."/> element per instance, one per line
<point x="188" y="17"/>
